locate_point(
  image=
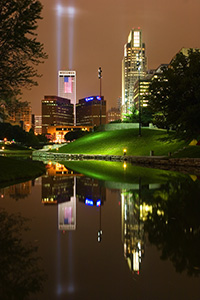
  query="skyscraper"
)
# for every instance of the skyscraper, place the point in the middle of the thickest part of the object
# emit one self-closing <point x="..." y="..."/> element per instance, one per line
<point x="56" y="111"/>
<point x="67" y="87"/>
<point x="134" y="67"/>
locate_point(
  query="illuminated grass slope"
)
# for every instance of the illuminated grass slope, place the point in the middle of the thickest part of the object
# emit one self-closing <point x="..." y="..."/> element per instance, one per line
<point x="113" y="143"/>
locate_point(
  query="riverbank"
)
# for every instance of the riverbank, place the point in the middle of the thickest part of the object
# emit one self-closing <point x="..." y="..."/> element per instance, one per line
<point x="15" y="170"/>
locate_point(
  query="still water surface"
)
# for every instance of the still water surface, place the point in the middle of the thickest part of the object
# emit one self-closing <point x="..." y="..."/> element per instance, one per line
<point x="135" y="238"/>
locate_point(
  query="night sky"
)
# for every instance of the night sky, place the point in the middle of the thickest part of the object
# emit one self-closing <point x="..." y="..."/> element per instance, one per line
<point x="90" y="33"/>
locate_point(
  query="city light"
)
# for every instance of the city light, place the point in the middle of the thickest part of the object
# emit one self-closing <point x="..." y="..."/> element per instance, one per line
<point x="89" y="202"/>
<point x="98" y="203"/>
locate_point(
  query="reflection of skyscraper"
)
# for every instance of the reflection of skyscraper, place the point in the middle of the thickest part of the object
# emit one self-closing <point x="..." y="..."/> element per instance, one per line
<point x="57" y="186"/>
<point x="133" y="66"/>
<point x="67" y="87"/>
<point x="132" y="229"/>
<point x="67" y="212"/>
<point x="90" y="192"/>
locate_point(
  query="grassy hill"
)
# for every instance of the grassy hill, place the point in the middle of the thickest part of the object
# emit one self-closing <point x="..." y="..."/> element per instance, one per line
<point x="113" y="143"/>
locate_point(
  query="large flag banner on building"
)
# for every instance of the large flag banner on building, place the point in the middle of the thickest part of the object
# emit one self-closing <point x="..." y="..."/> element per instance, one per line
<point x="68" y="84"/>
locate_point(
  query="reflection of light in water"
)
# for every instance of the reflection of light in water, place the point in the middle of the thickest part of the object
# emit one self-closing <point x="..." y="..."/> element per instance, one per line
<point x="69" y="12"/>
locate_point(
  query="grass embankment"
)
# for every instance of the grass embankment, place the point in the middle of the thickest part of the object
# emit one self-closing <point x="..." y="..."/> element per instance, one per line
<point x="14" y="170"/>
<point x="113" y="143"/>
<point x="14" y="149"/>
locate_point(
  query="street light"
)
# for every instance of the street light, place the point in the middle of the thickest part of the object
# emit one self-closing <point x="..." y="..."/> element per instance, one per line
<point x="100" y="76"/>
<point x="139" y="68"/>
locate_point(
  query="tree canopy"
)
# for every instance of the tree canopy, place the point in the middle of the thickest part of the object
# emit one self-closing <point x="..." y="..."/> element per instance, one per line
<point x="175" y="94"/>
<point x="20" y="52"/>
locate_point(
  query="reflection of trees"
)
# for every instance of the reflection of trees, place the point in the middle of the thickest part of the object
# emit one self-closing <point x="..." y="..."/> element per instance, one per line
<point x="174" y="224"/>
<point x="20" y="272"/>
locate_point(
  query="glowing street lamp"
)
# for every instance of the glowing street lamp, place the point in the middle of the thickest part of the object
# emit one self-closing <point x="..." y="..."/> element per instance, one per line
<point x="124" y="151"/>
<point x="100" y="76"/>
<point x="139" y="69"/>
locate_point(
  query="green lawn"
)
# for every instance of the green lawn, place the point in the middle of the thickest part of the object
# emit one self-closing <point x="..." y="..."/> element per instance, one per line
<point x="113" y="143"/>
<point x="16" y="170"/>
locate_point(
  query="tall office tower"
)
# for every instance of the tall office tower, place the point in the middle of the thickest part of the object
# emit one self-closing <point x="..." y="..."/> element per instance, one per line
<point x="56" y="111"/>
<point x="67" y="87"/>
<point x="134" y="66"/>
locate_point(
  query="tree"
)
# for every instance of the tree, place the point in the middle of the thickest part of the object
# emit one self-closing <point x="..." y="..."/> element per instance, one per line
<point x="75" y="134"/>
<point x="20" y="52"/>
<point x="175" y="94"/>
<point x="133" y="116"/>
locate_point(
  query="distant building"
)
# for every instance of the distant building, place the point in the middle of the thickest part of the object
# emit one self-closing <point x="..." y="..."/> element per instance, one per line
<point x="141" y="92"/>
<point x="134" y="65"/>
<point x="91" y="111"/>
<point x="56" y="111"/>
<point x="37" y="124"/>
<point x="119" y="103"/>
<point x="113" y="114"/>
<point x="67" y="87"/>
<point x="21" y="116"/>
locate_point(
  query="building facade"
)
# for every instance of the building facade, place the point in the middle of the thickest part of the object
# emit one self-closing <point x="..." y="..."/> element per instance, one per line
<point x="37" y="124"/>
<point x="141" y="92"/>
<point x="134" y="66"/>
<point x="21" y="116"/>
<point x="56" y="111"/>
<point x="67" y="87"/>
<point x="113" y="114"/>
<point x="91" y="111"/>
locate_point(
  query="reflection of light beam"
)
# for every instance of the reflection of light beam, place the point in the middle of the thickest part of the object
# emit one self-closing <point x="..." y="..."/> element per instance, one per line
<point x="69" y="12"/>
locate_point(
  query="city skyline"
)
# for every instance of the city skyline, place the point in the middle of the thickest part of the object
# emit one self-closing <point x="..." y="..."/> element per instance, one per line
<point x="98" y="32"/>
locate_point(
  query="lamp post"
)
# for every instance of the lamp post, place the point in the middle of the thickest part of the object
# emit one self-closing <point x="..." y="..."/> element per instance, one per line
<point x="100" y="76"/>
<point x="139" y="106"/>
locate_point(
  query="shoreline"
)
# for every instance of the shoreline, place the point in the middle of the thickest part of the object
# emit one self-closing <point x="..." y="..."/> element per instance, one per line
<point x="162" y="162"/>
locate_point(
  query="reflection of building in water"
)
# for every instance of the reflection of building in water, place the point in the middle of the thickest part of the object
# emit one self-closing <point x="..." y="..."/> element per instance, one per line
<point x="90" y="192"/>
<point x="57" y="184"/>
<point x="59" y="187"/>
<point x="17" y="191"/>
<point x="67" y="212"/>
<point x="134" y="213"/>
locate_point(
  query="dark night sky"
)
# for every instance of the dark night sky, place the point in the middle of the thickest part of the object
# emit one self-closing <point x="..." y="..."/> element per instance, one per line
<point x="96" y="34"/>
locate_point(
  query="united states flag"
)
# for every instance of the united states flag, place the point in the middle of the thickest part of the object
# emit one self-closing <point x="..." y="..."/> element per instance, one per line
<point x="68" y="84"/>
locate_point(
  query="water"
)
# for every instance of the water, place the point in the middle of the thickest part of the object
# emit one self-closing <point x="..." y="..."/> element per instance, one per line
<point x="142" y="242"/>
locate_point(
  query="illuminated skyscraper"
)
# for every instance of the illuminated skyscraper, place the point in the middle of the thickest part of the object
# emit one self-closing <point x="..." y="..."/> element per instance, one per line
<point x="67" y="87"/>
<point x="134" y="66"/>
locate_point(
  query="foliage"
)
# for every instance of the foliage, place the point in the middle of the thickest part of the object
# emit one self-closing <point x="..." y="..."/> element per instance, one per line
<point x="74" y="134"/>
<point x="175" y="94"/>
<point x="19" y="135"/>
<point x="20" y="52"/>
<point x="133" y="116"/>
